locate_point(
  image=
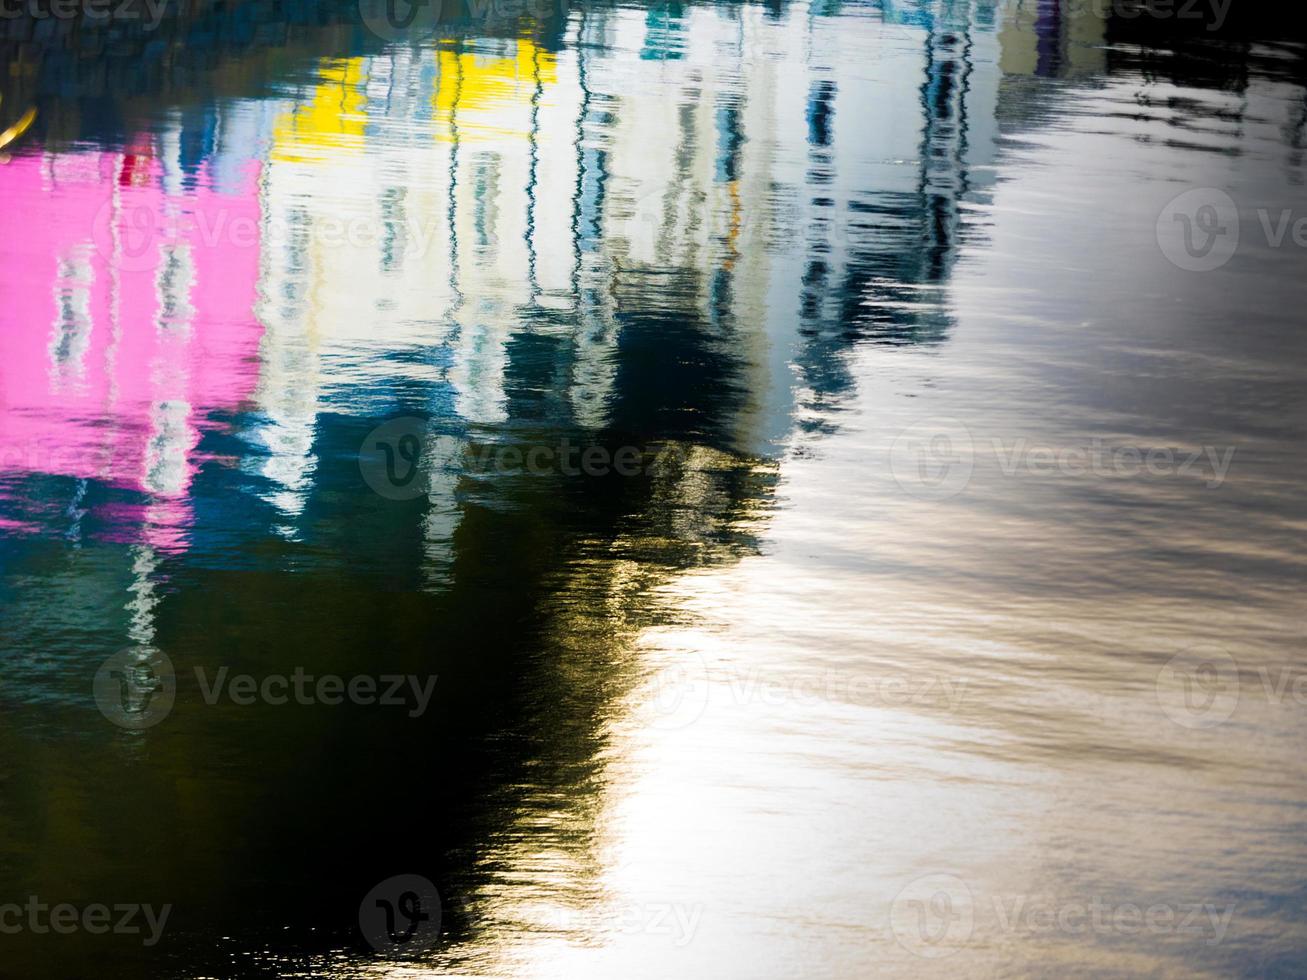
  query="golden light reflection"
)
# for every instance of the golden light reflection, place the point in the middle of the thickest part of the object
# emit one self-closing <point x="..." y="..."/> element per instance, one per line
<point x="23" y="123"/>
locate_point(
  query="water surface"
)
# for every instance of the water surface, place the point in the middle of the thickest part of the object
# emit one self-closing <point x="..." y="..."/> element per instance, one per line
<point x="949" y="618"/>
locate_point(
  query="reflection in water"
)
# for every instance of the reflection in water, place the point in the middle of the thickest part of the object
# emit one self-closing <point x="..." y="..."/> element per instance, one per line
<point x="711" y="718"/>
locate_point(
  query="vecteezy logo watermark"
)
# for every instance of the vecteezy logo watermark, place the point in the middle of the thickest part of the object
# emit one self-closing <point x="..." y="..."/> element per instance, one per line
<point x="676" y="694"/>
<point x="398" y="458"/>
<point x="938" y="915"/>
<point x="400" y="916"/>
<point x="677" y="691"/>
<point x="1212" y="13"/>
<point x="933" y="916"/>
<point x="414" y="20"/>
<point x="1098" y="459"/>
<point x="675" y="920"/>
<point x="1200" y="230"/>
<point x="150" y="11"/>
<point x="97" y="919"/>
<point x="839" y="687"/>
<point x="137" y="237"/>
<point x="937" y="460"/>
<point x="44" y="456"/>
<point x="1201" y="687"/>
<point x="397" y="20"/>
<point x="392" y="454"/>
<point x="933" y="460"/>
<point x="1034" y="914"/>
<point x="135" y="688"/>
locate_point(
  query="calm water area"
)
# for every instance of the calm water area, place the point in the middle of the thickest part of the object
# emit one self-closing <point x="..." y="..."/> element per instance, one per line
<point x="827" y="480"/>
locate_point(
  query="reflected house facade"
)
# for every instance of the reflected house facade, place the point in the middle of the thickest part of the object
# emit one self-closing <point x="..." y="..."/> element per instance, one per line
<point x="696" y="225"/>
<point x="113" y="329"/>
<point x="413" y="288"/>
<point x="512" y="238"/>
<point x="500" y="220"/>
<point x="138" y="330"/>
<point x="500" y="189"/>
<point x="1051" y="39"/>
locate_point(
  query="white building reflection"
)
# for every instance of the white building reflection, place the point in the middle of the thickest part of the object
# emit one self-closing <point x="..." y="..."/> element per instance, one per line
<point x="424" y="206"/>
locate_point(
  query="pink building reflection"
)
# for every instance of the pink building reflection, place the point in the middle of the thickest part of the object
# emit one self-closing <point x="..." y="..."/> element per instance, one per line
<point x="127" y="319"/>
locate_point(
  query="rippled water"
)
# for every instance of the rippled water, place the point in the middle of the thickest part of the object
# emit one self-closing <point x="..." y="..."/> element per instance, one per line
<point x="850" y="502"/>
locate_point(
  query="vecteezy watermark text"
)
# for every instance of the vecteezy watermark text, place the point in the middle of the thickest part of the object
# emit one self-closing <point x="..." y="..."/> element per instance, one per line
<point x="862" y="689"/>
<point x="1201" y="687"/>
<point x="677" y="921"/>
<point x="149" y="11"/>
<point x="401" y="916"/>
<point x="398" y="458"/>
<point x="413" y="20"/>
<point x="676" y="694"/>
<point x="1201" y="229"/>
<point x="136" y="688"/>
<point x="937" y="459"/>
<point x="390" y="690"/>
<point x="1103" y="460"/>
<point x="64" y="919"/>
<point x="938" y="915"/>
<point x="1210" y="14"/>
<point x="134" y="237"/>
<point x="46" y="456"/>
